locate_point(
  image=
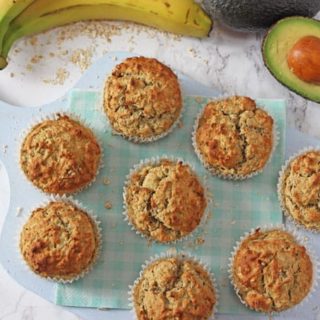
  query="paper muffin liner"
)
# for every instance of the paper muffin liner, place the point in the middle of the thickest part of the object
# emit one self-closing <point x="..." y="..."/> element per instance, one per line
<point x="183" y="256"/>
<point x="54" y="116"/>
<point x="140" y="140"/>
<point x="279" y="188"/>
<point x="93" y="218"/>
<point x="299" y="239"/>
<point x="209" y="199"/>
<point x="228" y="176"/>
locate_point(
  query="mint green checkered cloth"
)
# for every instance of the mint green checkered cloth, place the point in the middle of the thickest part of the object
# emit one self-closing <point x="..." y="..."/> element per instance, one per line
<point x="237" y="207"/>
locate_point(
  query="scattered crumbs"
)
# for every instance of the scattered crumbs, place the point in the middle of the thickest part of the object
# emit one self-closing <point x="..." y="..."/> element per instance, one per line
<point x="33" y="40"/>
<point x="11" y="74"/>
<point x="233" y="222"/>
<point x="172" y="251"/>
<point x="60" y="77"/>
<point x="199" y="241"/>
<point x="180" y="124"/>
<point x="106" y="181"/>
<point x="29" y="67"/>
<point x="51" y="54"/>
<point x="36" y="58"/>
<point x="199" y="99"/>
<point x="5" y="148"/>
<point x="108" y="205"/>
<point x="82" y="58"/>
<point x="19" y="211"/>
<point x="193" y="52"/>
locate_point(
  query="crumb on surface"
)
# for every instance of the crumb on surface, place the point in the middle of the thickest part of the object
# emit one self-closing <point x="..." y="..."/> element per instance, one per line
<point x="106" y="181"/>
<point x="60" y="77"/>
<point x="108" y="205"/>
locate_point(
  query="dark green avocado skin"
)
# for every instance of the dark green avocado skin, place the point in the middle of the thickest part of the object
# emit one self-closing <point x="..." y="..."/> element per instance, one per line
<point x="253" y="15"/>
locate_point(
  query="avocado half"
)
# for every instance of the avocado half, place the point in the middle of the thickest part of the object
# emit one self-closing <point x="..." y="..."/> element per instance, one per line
<point x="253" y="15"/>
<point x="276" y="45"/>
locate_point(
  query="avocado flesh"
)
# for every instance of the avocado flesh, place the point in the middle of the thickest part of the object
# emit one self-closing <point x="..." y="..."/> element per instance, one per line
<point x="276" y="46"/>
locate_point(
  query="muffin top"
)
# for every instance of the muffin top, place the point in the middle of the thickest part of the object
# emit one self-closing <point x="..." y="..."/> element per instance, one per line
<point x="142" y="98"/>
<point x="59" y="241"/>
<point x="271" y="271"/>
<point x="165" y="200"/>
<point x="174" y="288"/>
<point x="300" y="189"/>
<point x="60" y="156"/>
<point x="234" y="137"/>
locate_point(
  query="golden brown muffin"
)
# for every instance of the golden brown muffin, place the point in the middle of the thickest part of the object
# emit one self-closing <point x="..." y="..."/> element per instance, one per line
<point x="142" y="98"/>
<point x="165" y="200"/>
<point x="174" y="289"/>
<point x="60" y="156"/>
<point x="271" y="271"/>
<point x="234" y="138"/>
<point x="300" y="189"/>
<point x="59" y="241"/>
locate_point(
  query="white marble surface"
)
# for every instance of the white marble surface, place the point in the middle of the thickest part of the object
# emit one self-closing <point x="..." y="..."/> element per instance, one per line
<point x="226" y="60"/>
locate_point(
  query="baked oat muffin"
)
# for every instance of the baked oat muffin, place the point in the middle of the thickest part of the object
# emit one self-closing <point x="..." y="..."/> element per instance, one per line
<point x="60" y="156"/>
<point x="174" y="289"/>
<point x="234" y="138"/>
<point x="300" y="189"/>
<point x="164" y="200"/>
<point x="142" y="99"/>
<point x="271" y="271"/>
<point x="59" y="241"/>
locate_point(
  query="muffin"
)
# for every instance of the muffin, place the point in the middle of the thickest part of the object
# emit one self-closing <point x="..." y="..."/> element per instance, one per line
<point x="271" y="271"/>
<point x="164" y="200"/>
<point x="299" y="189"/>
<point x="60" y="155"/>
<point x="59" y="241"/>
<point x="174" y="288"/>
<point x="142" y="99"/>
<point x="233" y="137"/>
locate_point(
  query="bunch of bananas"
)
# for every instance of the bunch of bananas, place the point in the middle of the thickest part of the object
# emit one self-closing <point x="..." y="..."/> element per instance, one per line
<point x="19" y="18"/>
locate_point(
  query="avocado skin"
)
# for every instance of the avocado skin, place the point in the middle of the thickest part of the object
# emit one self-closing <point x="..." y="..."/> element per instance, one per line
<point x="292" y="88"/>
<point x="253" y="15"/>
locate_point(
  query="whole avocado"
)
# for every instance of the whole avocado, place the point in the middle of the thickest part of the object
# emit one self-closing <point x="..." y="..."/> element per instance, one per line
<point x="252" y="15"/>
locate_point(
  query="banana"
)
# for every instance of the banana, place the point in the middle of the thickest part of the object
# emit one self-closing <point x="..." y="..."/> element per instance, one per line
<point x="181" y="17"/>
<point x="9" y="9"/>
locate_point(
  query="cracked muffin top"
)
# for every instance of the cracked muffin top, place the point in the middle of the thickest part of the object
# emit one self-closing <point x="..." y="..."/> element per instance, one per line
<point x="142" y="99"/>
<point x="172" y="289"/>
<point x="300" y="189"/>
<point x="164" y="200"/>
<point x="59" y="241"/>
<point x="234" y="138"/>
<point x="271" y="271"/>
<point x="60" y="156"/>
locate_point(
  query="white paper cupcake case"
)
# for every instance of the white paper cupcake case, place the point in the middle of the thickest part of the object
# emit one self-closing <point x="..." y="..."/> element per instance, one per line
<point x="77" y="204"/>
<point x="279" y="187"/>
<point x="54" y="116"/>
<point x="181" y="255"/>
<point x="300" y="241"/>
<point x="154" y="160"/>
<point x="275" y="140"/>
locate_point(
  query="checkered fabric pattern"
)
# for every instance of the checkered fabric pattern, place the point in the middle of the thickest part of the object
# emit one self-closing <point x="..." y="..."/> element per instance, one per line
<point x="236" y="208"/>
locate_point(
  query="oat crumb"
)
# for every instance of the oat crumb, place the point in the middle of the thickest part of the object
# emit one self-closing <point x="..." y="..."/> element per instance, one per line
<point x="198" y="99"/>
<point x="108" y="205"/>
<point x="106" y="181"/>
<point x="199" y="241"/>
<point x="180" y="124"/>
<point x="233" y="222"/>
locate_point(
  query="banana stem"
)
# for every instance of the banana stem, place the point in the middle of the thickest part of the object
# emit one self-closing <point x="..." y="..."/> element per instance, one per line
<point x="3" y="62"/>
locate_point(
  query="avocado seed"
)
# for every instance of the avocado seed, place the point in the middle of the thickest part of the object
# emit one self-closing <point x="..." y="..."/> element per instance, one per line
<point x="304" y="59"/>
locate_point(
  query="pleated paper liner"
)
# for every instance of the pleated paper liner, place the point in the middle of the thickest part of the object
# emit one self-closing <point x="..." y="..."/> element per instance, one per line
<point x="97" y="228"/>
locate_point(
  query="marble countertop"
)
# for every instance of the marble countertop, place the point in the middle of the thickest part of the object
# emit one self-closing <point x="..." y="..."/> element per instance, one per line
<point x="44" y="67"/>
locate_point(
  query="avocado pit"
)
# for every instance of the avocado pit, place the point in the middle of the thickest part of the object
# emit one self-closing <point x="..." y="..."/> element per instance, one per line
<point x="304" y="59"/>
